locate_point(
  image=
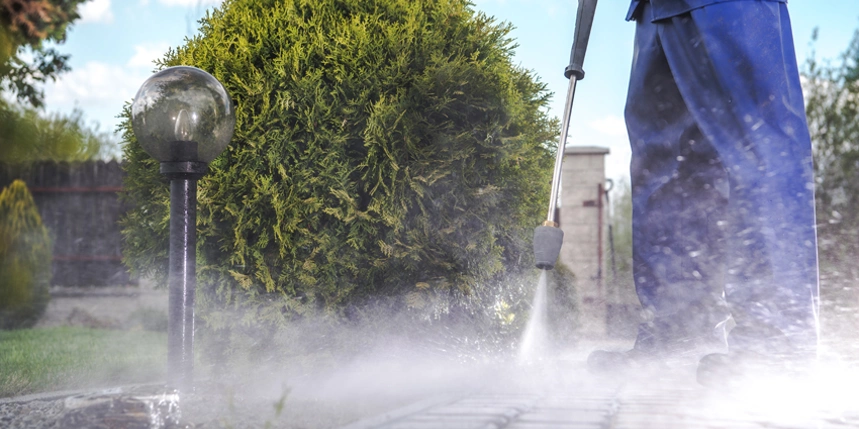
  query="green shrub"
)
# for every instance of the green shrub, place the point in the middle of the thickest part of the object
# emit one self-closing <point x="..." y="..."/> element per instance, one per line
<point x="30" y="135"/>
<point x="25" y="259"/>
<point x="382" y="147"/>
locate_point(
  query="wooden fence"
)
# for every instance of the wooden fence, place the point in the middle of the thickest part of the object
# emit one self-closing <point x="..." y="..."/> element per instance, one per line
<point x="79" y="204"/>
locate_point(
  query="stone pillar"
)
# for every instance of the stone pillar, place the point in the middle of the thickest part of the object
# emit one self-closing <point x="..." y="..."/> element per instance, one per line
<point x="584" y="220"/>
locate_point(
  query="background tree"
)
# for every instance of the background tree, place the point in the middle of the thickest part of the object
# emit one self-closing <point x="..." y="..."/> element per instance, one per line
<point x="620" y="219"/>
<point x="25" y="27"/>
<point x="832" y="109"/>
<point x="382" y="148"/>
<point x="27" y="135"/>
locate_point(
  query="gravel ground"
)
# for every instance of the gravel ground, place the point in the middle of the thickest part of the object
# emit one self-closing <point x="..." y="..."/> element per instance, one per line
<point x="36" y="413"/>
<point x="218" y="406"/>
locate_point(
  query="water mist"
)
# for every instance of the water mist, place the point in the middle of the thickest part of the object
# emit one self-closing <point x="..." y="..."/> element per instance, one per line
<point x="533" y="345"/>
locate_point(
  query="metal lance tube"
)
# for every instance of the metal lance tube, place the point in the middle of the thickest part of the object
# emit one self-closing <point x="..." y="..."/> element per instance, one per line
<point x="548" y="237"/>
<point x="559" y="158"/>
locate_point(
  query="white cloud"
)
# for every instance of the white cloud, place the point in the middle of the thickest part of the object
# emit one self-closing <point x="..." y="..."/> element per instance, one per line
<point x="190" y="3"/>
<point x="610" y="125"/>
<point x="617" y="162"/>
<point x="97" y="88"/>
<point x="144" y="55"/>
<point x="95" y="11"/>
<point x="94" y="83"/>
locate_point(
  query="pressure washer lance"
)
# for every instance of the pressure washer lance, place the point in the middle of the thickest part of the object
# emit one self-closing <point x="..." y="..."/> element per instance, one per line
<point x="549" y="237"/>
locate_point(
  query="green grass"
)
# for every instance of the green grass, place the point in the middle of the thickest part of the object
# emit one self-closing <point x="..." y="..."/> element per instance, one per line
<point x="48" y="359"/>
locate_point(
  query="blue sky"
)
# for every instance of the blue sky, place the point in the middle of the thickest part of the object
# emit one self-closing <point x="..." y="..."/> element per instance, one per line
<point x="113" y="45"/>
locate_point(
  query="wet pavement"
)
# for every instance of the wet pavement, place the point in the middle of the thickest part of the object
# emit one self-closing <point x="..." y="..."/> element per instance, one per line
<point x="578" y="400"/>
<point x="544" y="395"/>
<point x="667" y="409"/>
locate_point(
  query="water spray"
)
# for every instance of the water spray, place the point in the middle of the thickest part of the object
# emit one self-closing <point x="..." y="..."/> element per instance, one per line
<point x="549" y="237"/>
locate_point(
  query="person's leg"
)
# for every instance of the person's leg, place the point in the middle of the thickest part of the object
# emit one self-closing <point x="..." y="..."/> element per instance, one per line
<point x="736" y="70"/>
<point x="679" y="198"/>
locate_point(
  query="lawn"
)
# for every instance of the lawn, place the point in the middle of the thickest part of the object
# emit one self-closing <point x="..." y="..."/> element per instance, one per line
<point x="48" y="359"/>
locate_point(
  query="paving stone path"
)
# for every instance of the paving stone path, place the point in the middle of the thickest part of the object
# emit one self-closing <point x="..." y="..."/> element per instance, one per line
<point x="674" y="403"/>
<point x="545" y="396"/>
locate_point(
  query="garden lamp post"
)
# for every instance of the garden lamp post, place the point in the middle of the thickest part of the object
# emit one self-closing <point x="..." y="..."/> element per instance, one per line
<point x="183" y="117"/>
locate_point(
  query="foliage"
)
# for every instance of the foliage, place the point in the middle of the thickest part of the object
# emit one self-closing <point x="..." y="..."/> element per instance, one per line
<point x="25" y="26"/>
<point x="832" y="109"/>
<point x="382" y="148"/>
<point x="623" y="308"/>
<point x="25" y="259"/>
<point x="26" y="135"/>
<point x="61" y="358"/>
<point x="620" y="219"/>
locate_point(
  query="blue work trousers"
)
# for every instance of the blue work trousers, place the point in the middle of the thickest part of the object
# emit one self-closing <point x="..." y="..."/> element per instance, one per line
<point x="722" y="180"/>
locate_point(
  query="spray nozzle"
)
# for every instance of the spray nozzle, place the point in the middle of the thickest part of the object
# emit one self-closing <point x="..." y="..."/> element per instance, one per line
<point x="547" y="245"/>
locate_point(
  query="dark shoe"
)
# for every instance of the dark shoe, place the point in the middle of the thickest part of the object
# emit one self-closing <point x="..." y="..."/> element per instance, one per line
<point x="720" y="370"/>
<point x="664" y="343"/>
<point x="758" y="353"/>
<point x="676" y="355"/>
<point x="614" y="362"/>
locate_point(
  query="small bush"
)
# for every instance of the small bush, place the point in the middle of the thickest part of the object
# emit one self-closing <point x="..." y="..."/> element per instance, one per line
<point x="25" y="259"/>
<point x="382" y="148"/>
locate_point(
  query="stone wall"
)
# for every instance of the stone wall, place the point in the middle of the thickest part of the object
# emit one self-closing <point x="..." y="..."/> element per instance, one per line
<point x="605" y="307"/>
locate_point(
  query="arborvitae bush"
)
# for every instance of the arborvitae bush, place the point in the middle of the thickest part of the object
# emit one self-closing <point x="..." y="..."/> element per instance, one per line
<point x="25" y="259"/>
<point x="382" y="148"/>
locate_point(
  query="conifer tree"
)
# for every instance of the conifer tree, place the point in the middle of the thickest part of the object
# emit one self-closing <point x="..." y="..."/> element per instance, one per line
<point x="25" y="259"/>
<point x="382" y="148"/>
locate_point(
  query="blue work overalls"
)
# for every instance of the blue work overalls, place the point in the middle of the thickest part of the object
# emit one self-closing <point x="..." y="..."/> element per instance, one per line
<point x="722" y="179"/>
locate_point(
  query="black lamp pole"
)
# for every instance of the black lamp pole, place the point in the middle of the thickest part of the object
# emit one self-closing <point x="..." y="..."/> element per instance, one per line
<point x="182" y="277"/>
<point x="183" y="117"/>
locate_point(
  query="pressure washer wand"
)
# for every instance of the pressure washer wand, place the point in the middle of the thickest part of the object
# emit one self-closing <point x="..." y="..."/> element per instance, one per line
<point x="549" y="237"/>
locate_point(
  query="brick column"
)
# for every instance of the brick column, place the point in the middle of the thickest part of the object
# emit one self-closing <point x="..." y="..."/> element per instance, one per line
<point x="584" y="219"/>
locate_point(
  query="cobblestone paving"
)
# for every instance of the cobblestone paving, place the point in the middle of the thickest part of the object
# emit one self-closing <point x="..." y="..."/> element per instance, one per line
<point x="549" y="396"/>
<point x="674" y="403"/>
